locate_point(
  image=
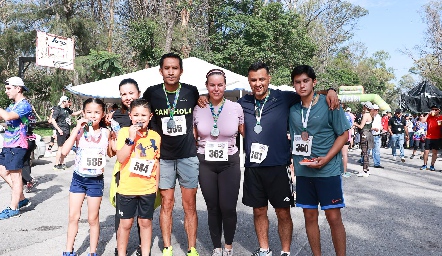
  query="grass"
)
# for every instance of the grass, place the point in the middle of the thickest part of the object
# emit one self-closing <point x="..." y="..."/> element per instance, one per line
<point x="43" y="131"/>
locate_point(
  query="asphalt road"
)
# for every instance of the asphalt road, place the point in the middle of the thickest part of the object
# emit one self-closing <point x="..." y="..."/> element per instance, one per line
<point x="395" y="211"/>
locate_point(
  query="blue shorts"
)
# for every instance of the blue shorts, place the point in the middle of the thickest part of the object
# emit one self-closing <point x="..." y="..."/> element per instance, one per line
<point x="185" y="169"/>
<point x="327" y="191"/>
<point x="12" y="158"/>
<point x="91" y="186"/>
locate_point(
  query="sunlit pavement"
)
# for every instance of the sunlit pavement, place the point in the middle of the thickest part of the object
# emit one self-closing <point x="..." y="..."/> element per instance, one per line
<point x="395" y="211"/>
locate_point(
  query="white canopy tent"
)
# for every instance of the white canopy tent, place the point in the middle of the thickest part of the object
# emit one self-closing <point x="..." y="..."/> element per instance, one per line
<point x="194" y="73"/>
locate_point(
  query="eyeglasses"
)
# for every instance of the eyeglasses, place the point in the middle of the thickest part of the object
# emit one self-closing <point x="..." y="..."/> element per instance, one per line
<point x="215" y="72"/>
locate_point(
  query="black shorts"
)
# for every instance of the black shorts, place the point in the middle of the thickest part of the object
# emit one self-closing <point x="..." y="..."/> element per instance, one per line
<point x="267" y="184"/>
<point x="128" y="206"/>
<point x="61" y="139"/>
<point x="432" y="144"/>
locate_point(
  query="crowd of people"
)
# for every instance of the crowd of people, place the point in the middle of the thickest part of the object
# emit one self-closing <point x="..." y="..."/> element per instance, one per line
<point x="170" y="132"/>
<point x="419" y="132"/>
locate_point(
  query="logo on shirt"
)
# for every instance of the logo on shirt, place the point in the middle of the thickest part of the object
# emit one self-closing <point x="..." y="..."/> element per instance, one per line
<point x="286" y="199"/>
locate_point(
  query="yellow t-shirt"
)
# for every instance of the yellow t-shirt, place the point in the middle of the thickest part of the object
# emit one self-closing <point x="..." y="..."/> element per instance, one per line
<point x="146" y="148"/>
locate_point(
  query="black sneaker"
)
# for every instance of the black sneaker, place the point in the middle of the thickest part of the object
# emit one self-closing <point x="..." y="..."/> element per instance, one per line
<point x="63" y="166"/>
<point x="412" y="156"/>
<point x="57" y="167"/>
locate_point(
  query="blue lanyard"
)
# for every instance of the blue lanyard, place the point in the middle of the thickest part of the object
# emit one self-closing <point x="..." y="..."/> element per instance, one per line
<point x="216" y="116"/>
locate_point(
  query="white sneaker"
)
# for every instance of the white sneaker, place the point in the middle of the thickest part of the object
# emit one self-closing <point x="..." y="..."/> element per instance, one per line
<point x="363" y="174"/>
<point x="228" y="252"/>
<point x="394" y="158"/>
<point x="217" y="252"/>
<point x="403" y="159"/>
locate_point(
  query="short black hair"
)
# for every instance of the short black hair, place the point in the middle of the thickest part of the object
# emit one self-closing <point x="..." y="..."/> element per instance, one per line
<point x="303" y="69"/>
<point x="257" y="66"/>
<point x="129" y="81"/>
<point x="140" y="103"/>
<point x="171" y="55"/>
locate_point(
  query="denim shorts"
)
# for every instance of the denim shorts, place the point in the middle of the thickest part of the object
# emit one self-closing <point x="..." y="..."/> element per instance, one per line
<point x="12" y="158"/>
<point x="185" y="169"/>
<point x="91" y="186"/>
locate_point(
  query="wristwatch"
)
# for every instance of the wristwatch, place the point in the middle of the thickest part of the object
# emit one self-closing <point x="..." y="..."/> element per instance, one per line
<point x="129" y="142"/>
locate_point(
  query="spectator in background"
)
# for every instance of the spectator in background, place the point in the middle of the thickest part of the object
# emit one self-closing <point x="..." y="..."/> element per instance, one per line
<point x="420" y="131"/>
<point x="376" y="128"/>
<point x="385" y="134"/>
<point x="61" y="120"/>
<point x="396" y="127"/>
<point x="352" y="130"/>
<point x="345" y="149"/>
<point x="432" y="141"/>
<point x="366" y="137"/>
<point x="410" y="126"/>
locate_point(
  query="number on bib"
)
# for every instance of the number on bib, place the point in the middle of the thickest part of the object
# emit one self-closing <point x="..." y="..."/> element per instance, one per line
<point x="141" y="166"/>
<point x="258" y="153"/>
<point x="179" y="128"/>
<point x="216" y="151"/>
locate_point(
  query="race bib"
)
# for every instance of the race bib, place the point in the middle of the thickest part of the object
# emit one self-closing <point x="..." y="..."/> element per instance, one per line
<point x="258" y="152"/>
<point x="302" y="147"/>
<point x="68" y="120"/>
<point x="179" y="128"/>
<point x="92" y="162"/>
<point x="216" y="151"/>
<point x="141" y="166"/>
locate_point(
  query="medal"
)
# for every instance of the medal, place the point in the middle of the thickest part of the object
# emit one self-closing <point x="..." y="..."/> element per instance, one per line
<point x="171" y="108"/>
<point x="304" y="133"/>
<point x="170" y="124"/>
<point x="257" y="128"/>
<point x="258" y="113"/>
<point x="304" y="136"/>
<point x="214" y="132"/>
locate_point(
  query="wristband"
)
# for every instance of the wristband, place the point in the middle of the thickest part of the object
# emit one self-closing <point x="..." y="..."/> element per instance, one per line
<point x="331" y="88"/>
<point x="129" y="142"/>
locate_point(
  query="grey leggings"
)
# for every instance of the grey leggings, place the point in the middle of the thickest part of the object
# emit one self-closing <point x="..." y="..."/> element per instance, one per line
<point x="220" y="183"/>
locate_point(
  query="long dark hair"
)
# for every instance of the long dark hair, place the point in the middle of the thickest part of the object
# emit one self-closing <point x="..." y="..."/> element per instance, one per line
<point x="103" y="108"/>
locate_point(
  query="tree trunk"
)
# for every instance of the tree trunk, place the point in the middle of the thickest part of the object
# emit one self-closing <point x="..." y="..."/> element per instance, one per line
<point x="111" y="26"/>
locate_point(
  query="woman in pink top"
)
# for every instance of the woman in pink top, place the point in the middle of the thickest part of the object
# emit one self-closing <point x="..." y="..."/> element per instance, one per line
<point x="216" y="127"/>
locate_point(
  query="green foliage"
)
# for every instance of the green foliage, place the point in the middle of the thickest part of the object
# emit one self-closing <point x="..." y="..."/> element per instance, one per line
<point x="249" y="31"/>
<point x="144" y="37"/>
<point x="99" y="65"/>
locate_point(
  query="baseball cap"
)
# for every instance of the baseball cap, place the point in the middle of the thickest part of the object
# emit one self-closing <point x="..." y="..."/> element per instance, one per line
<point x="63" y="98"/>
<point x="367" y="104"/>
<point x="16" y="81"/>
<point x="374" y="106"/>
<point x="348" y="109"/>
<point x="398" y="110"/>
<point x="434" y="106"/>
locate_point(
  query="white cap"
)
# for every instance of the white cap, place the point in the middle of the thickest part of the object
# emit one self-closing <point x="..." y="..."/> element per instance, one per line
<point x="16" y="81"/>
<point x="374" y="106"/>
<point x="62" y="99"/>
<point x="367" y="104"/>
<point x="348" y="109"/>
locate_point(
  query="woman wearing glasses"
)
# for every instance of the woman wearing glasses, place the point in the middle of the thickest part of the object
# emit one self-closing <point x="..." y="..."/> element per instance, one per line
<point x="216" y="127"/>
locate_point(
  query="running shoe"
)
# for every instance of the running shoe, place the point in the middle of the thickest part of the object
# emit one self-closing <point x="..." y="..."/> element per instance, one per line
<point x="168" y="251"/>
<point x="346" y="175"/>
<point x="30" y="185"/>
<point x="227" y="252"/>
<point x="403" y="159"/>
<point x="70" y="254"/>
<point x="192" y="252"/>
<point x="412" y="156"/>
<point x="432" y="168"/>
<point x="262" y="253"/>
<point x="92" y="254"/>
<point x="424" y="167"/>
<point x="363" y="174"/>
<point x="9" y="213"/>
<point x="217" y="252"/>
<point x="394" y="158"/>
<point x="421" y="158"/>
<point x="285" y="254"/>
<point x="24" y="203"/>
<point x="63" y="166"/>
<point x="57" y="167"/>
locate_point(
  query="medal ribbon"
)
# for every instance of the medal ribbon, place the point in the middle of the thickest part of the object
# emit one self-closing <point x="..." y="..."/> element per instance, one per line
<point x="259" y="108"/>
<point x="175" y="101"/>
<point x="305" y="120"/>
<point x="216" y="116"/>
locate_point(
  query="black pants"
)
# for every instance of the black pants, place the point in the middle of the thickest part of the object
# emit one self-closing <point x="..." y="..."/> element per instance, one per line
<point x="220" y="183"/>
<point x="26" y="170"/>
